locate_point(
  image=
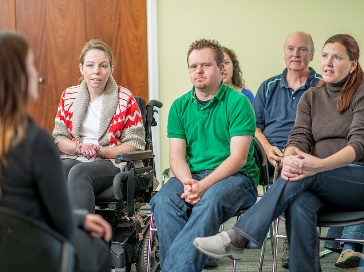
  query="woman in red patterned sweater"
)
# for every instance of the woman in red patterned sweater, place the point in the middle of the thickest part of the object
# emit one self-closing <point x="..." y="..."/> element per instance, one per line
<point x="95" y="121"/>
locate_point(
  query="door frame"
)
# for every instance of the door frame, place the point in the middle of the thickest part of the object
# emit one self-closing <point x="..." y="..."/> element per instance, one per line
<point x="153" y="76"/>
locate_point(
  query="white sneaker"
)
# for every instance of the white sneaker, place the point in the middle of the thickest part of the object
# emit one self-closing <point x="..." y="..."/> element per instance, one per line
<point x="218" y="246"/>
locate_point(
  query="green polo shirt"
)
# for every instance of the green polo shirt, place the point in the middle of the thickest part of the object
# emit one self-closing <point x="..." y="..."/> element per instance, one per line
<point x="207" y="129"/>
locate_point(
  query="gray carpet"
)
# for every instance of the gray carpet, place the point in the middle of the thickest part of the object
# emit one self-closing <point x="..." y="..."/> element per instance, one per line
<point x="250" y="260"/>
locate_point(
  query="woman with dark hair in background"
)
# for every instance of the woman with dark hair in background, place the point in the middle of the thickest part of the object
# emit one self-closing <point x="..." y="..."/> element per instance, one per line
<point x="232" y="74"/>
<point x="31" y="176"/>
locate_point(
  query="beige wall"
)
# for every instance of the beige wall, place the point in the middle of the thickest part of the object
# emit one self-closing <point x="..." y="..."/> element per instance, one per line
<point x="255" y="29"/>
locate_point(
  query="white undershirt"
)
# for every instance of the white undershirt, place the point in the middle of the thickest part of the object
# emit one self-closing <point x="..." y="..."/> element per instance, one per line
<point x="89" y="129"/>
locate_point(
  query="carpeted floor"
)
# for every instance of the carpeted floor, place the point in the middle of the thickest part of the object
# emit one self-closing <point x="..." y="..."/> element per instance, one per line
<point x="250" y="260"/>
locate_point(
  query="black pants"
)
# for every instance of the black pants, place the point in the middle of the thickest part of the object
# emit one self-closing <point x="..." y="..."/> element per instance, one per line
<point x="92" y="254"/>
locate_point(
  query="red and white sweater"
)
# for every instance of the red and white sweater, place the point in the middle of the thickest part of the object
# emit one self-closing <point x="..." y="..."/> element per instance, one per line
<point x="120" y="121"/>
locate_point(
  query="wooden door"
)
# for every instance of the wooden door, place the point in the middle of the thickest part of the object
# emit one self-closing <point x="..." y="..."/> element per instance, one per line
<point x="57" y="31"/>
<point x="7" y="14"/>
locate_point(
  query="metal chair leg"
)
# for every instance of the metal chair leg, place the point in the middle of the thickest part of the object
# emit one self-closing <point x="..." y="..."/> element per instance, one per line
<point x="262" y="252"/>
<point x="275" y="244"/>
<point x="234" y="266"/>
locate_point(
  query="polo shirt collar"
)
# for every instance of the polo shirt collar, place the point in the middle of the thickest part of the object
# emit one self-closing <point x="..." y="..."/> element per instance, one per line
<point x="219" y="95"/>
<point x="284" y="84"/>
<point x="221" y="92"/>
<point x="310" y="77"/>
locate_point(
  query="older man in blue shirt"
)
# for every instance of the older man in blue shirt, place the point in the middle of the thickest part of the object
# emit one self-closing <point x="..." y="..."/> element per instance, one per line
<point x="277" y="98"/>
<point x="276" y="101"/>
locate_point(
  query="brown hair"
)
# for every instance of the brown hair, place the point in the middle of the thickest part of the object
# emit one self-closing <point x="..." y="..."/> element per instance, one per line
<point x="237" y="78"/>
<point x="204" y="43"/>
<point x="355" y="78"/>
<point x="13" y="91"/>
<point x="98" y="45"/>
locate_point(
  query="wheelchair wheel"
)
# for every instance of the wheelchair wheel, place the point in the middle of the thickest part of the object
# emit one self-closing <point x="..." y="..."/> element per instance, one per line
<point x="142" y="262"/>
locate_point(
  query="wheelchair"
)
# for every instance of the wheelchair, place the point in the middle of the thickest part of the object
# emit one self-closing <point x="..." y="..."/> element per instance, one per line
<point x="121" y="204"/>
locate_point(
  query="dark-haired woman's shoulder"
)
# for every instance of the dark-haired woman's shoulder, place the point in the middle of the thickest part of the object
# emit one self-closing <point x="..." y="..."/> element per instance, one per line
<point x="48" y="174"/>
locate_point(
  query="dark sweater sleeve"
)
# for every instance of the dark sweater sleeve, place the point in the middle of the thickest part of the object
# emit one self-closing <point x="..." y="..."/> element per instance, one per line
<point x="80" y="217"/>
<point x="356" y="128"/>
<point x="48" y="176"/>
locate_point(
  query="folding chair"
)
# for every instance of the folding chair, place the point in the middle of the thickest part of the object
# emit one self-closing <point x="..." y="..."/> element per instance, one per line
<point x="262" y="161"/>
<point x="340" y="219"/>
<point x="325" y="219"/>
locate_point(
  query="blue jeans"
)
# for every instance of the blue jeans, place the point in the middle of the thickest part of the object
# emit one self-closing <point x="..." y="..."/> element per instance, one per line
<point x="85" y="179"/>
<point x="349" y="232"/>
<point x="340" y="189"/>
<point x="179" y="223"/>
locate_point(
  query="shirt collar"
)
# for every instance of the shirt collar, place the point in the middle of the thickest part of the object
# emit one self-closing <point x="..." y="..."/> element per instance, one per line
<point x="219" y="95"/>
<point x="307" y="85"/>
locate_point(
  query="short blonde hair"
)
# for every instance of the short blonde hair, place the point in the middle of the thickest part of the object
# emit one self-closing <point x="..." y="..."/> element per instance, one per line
<point x="99" y="45"/>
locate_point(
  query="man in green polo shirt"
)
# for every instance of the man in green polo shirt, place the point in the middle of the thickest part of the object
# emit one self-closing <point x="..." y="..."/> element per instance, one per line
<point x="210" y="132"/>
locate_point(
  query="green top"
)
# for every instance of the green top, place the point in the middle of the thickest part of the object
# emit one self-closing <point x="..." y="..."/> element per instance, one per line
<point x="207" y="129"/>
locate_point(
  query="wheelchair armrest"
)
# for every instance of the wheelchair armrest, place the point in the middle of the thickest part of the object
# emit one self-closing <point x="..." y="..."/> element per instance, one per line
<point x="134" y="156"/>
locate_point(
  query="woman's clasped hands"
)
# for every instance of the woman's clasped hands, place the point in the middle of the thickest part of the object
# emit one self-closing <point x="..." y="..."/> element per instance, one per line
<point x="87" y="150"/>
<point x="299" y="166"/>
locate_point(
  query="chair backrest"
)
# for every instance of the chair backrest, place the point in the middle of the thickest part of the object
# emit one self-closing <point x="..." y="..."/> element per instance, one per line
<point x="142" y="106"/>
<point x="262" y="162"/>
<point x="136" y="183"/>
<point x="147" y="111"/>
<point x="28" y="245"/>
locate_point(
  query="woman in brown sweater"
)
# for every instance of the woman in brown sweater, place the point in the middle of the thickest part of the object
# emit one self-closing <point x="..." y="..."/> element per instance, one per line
<point x="322" y="164"/>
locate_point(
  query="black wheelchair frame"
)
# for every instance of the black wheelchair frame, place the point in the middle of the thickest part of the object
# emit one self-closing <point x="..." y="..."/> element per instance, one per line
<point x="131" y="190"/>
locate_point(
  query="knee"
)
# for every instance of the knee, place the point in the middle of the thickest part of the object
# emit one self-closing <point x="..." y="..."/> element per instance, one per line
<point x="307" y="201"/>
<point x="160" y="199"/>
<point x="67" y="165"/>
<point x="154" y="201"/>
<point x="298" y="215"/>
<point x="168" y="195"/>
<point x="297" y="208"/>
<point x="305" y="206"/>
<point x="78" y="173"/>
